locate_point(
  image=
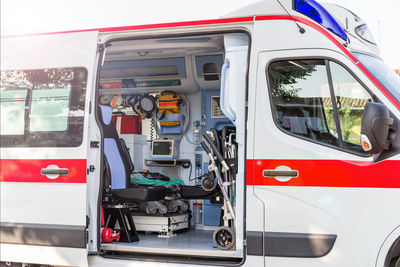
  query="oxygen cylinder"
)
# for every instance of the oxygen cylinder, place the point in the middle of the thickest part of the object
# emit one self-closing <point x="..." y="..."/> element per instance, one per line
<point x="108" y="235"/>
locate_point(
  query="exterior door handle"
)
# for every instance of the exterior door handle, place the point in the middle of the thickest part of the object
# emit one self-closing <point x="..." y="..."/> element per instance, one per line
<point x="53" y="171"/>
<point x="281" y="173"/>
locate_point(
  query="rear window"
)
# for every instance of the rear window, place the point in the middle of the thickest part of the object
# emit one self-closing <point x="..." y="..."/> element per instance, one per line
<point x="42" y="108"/>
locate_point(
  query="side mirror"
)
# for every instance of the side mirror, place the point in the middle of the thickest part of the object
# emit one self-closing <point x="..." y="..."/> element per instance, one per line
<point x="375" y="126"/>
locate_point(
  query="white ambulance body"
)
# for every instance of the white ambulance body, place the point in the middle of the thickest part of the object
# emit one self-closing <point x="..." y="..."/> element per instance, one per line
<point x="285" y="80"/>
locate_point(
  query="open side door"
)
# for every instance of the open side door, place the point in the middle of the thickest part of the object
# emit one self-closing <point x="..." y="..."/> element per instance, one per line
<point x="46" y="84"/>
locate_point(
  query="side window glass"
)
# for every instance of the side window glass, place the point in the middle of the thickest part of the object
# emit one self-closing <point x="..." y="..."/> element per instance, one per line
<point x="49" y="110"/>
<point x="301" y="99"/>
<point x="12" y="110"/>
<point x="351" y="98"/>
<point x="43" y="107"/>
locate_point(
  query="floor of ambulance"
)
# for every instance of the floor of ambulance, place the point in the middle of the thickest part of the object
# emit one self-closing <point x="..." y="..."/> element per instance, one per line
<point x="189" y="243"/>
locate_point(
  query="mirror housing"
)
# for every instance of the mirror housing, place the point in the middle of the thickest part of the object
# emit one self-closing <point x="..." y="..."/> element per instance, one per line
<point x="375" y="126"/>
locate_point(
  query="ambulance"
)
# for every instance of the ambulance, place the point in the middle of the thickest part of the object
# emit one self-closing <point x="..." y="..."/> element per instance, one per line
<point x="267" y="137"/>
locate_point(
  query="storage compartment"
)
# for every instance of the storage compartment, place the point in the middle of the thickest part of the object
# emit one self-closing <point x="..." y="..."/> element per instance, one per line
<point x="173" y="88"/>
<point x="164" y="225"/>
<point x="211" y="214"/>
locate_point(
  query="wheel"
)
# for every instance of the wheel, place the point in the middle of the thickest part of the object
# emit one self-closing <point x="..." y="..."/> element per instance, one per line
<point x="150" y="210"/>
<point x="209" y="183"/>
<point x="395" y="262"/>
<point x="184" y="206"/>
<point x="172" y="207"/>
<point x="163" y="209"/>
<point x="224" y="238"/>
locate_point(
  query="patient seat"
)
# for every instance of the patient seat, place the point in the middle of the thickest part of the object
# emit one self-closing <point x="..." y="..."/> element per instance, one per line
<point x="119" y="166"/>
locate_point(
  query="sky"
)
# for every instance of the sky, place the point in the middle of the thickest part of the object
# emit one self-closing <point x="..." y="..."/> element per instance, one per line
<point x="28" y="16"/>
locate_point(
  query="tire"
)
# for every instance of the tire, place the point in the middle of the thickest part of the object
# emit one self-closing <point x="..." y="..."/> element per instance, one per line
<point x="395" y="262"/>
<point x="224" y="238"/>
<point x="209" y="184"/>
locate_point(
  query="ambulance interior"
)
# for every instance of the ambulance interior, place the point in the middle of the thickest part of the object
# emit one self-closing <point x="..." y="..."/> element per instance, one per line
<point x="178" y="104"/>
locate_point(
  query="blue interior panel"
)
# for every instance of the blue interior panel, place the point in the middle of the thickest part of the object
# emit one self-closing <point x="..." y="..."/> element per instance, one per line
<point x="216" y="123"/>
<point x="201" y="60"/>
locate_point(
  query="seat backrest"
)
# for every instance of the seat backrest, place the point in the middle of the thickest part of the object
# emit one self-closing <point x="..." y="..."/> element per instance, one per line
<point x="113" y="151"/>
<point x="126" y="155"/>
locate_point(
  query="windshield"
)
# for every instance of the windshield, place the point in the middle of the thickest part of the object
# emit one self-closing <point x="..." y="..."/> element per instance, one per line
<point x="385" y="75"/>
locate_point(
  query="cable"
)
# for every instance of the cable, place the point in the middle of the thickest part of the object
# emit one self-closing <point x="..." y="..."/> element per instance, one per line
<point x="152" y="129"/>
<point x="190" y="171"/>
<point x="199" y="177"/>
<point x="301" y="29"/>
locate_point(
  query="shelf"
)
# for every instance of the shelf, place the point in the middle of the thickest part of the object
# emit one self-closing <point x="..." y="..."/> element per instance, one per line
<point x="134" y="90"/>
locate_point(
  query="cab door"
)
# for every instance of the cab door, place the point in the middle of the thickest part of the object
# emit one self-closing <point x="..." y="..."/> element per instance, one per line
<point x="46" y="83"/>
<point x="325" y="201"/>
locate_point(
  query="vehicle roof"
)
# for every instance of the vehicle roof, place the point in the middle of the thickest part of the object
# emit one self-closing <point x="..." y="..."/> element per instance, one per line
<point x="243" y="14"/>
<point x="246" y="14"/>
<point x="262" y="8"/>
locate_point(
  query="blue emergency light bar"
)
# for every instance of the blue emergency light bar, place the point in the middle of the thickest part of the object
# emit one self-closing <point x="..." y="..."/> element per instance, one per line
<point x="315" y="11"/>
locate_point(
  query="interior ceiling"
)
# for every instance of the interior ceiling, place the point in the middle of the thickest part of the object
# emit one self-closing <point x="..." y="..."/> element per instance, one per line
<point x="140" y="49"/>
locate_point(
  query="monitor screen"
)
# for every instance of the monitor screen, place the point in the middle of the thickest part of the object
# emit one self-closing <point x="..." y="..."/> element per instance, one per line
<point x="162" y="148"/>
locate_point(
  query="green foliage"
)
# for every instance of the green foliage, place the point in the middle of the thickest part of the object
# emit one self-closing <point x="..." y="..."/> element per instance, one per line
<point x="349" y="118"/>
<point x="283" y="79"/>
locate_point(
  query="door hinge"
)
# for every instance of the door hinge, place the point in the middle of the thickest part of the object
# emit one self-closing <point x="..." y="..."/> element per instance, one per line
<point x="244" y="242"/>
<point x="87" y="221"/>
<point x="87" y="228"/>
<point x="94" y="143"/>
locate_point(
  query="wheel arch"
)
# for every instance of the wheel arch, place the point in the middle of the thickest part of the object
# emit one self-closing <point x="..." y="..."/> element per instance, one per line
<point x="390" y="248"/>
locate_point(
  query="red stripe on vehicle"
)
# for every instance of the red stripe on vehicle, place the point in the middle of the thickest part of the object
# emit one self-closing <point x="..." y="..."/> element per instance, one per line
<point x="29" y="170"/>
<point x="327" y="173"/>
<point x="148" y="26"/>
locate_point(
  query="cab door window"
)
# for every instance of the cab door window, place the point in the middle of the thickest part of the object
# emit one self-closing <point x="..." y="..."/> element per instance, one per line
<point x="318" y="100"/>
<point x="302" y="101"/>
<point x="351" y="98"/>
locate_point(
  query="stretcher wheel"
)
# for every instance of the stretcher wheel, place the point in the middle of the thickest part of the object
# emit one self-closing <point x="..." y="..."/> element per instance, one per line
<point x="154" y="209"/>
<point x="209" y="183"/>
<point x="224" y="238"/>
<point x="184" y="206"/>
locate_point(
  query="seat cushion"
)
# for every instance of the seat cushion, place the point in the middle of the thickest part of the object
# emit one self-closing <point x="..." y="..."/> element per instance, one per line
<point x="141" y="193"/>
<point x="196" y="192"/>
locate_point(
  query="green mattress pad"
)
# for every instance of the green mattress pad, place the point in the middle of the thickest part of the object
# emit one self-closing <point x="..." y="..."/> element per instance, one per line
<point x="138" y="178"/>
